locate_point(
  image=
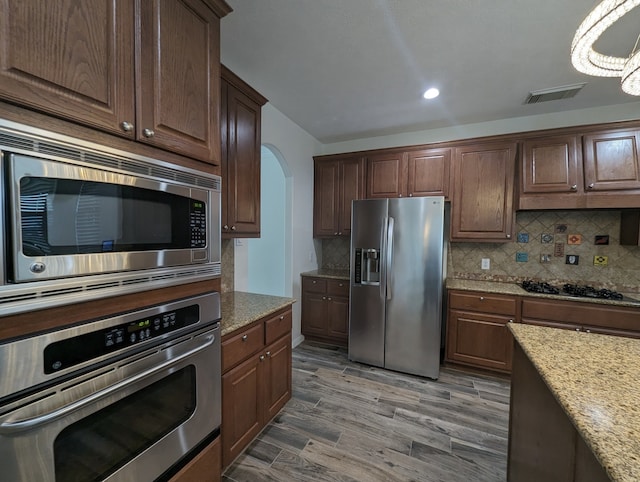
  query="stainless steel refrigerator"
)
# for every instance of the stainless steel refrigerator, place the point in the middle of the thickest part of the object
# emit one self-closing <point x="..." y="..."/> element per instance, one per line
<point x="398" y="263"/>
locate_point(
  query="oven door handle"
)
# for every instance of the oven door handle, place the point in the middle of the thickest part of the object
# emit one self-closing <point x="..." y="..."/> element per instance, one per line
<point x="31" y="423"/>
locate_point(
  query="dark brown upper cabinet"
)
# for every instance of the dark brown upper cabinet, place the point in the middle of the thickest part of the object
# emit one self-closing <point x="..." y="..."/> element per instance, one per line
<point x="147" y="71"/>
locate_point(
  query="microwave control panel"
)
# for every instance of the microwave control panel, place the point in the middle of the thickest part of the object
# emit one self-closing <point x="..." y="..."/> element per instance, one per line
<point x="198" y="224"/>
<point x="73" y="351"/>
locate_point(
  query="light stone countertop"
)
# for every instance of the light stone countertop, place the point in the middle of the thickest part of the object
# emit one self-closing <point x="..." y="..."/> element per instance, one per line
<point x="515" y="289"/>
<point x="240" y="309"/>
<point x="596" y="379"/>
<point x="342" y="274"/>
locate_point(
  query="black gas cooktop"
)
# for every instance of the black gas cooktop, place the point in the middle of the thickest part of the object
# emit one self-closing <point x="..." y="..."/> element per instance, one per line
<point x="581" y="291"/>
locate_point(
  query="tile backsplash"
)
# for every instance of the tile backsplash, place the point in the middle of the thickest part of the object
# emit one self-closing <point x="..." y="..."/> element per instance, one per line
<point x="546" y="242"/>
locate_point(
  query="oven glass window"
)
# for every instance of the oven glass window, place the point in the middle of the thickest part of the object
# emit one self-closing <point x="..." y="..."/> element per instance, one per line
<point x="67" y="216"/>
<point x="98" y="445"/>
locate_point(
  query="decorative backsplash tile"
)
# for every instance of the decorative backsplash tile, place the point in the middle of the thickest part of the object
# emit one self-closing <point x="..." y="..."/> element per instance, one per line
<point x="335" y="253"/>
<point x="544" y="260"/>
<point x="578" y="237"/>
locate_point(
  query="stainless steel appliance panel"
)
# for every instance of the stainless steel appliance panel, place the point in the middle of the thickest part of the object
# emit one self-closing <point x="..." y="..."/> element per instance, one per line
<point x="128" y="419"/>
<point x="395" y="320"/>
<point x="367" y="299"/>
<point x="415" y="286"/>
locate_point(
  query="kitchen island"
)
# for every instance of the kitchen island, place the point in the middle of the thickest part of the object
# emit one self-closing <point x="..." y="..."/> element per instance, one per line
<point x="575" y="406"/>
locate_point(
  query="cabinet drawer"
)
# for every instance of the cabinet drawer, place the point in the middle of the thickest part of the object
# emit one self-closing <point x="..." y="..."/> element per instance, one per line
<point x="473" y="301"/>
<point x="338" y="287"/>
<point x="241" y="346"/>
<point x="314" y="285"/>
<point x="591" y="314"/>
<point x="277" y="326"/>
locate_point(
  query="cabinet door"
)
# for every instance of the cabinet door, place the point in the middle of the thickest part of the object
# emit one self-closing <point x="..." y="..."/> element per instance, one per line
<point x="551" y="164"/>
<point x="325" y="198"/>
<point x="611" y="161"/>
<point x="428" y="172"/>
<point x="350" y="187"/>
<point x="338" y="317"/>
<point x="242" y="164"/>
<point x="179" y="78"/>
<point x="314" y="314"/>
<point x="387" y="175"/>
<point x="242" y="409"/>
<point x="70" y="59"/>
<point x="277" y="364"/>
<point x="479" y="339"/>
<point x="482" y="206"/>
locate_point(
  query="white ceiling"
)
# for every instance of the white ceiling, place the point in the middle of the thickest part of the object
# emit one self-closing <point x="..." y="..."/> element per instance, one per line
<point x="348" y="69"/>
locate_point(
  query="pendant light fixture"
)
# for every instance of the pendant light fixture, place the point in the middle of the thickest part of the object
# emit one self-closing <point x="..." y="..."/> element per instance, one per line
<point x="586" y="60"/>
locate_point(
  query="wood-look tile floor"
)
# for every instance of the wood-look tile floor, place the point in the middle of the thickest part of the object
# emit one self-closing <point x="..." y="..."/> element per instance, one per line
<point x="351" y="422"/>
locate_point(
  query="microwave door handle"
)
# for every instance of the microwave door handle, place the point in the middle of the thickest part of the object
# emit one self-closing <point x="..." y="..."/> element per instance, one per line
<point x="32" y="423"/>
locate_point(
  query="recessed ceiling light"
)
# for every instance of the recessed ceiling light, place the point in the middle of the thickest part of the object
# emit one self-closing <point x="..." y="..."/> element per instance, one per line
<point x="431" y="93"/>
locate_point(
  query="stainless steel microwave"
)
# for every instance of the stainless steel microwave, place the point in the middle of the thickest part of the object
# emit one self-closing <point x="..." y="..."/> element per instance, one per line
<point x="83" y="217"/>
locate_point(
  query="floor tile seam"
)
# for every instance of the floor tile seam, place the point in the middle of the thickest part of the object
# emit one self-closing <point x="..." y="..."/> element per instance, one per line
<point x="482" y="448"/>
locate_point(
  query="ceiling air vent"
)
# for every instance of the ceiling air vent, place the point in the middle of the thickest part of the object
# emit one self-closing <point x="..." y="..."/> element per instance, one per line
<point x="555" y="93"/>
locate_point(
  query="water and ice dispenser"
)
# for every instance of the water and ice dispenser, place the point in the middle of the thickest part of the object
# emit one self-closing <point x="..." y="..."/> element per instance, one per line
<point x="367" y="266"/>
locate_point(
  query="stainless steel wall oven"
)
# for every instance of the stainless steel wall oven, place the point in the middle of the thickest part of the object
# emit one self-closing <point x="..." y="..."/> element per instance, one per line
<point x="82" y="220"/>
<point x="125" y="398"/>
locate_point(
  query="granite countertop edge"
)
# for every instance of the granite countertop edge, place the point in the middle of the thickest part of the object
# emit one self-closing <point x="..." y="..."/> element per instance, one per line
<point x="593" y="378"/>
<point x="330" y="273"/>
<point x="240" y="309"/>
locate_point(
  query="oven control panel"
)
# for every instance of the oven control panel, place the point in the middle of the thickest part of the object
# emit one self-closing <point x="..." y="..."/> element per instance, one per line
<point x="72" y="351"/>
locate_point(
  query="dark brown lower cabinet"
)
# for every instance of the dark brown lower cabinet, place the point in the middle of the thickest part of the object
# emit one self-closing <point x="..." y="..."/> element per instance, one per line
<point x="205" y="467"/>
<point x="543" y="443"/>
<point x="325" y="310"/>
<point x="477" y="333"/>
<point x="255" y="389"/>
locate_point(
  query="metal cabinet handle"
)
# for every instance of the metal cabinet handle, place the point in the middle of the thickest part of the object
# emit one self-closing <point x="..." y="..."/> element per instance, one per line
<point x="340" y="233"/>
<point x="268" y="353"/>
<point x="261" y="357"/>
<point x="329" y="298"/>
<point x="410" y="194"/>
<point x="324" y="297"/>
<point x="588" y="331"/>
<point x="340" y="285"/>
<point x="508" y="236"/>
<point x="233" y="228"/>
<point x="577" y="329"/>
<point x="510" y="321"/>
<point x="574" y="187"/>
<point x="482" y="298"/>
<point x="282" y="317"/>
<point x="244" y="337"/>
<point x="148" y="133"/>
<point x="335" y="234"/>
<point x="591" y="186"/>
<point x="225" y="226"/>
<point x="126" y="126"/>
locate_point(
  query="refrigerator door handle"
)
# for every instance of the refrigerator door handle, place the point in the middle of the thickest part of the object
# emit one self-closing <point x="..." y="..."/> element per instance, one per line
<point x="383" y="259"/>
<point x="389" y="262"/>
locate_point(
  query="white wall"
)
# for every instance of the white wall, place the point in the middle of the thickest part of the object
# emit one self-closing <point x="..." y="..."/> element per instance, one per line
<point x="596" y="115"/>
<point x="296" y="148"/>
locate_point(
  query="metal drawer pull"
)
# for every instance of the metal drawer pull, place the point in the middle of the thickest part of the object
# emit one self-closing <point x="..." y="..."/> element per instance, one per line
<point x="244" y="337"/>
<point x="282" y="317"/>
<point x="31" y="423"/>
